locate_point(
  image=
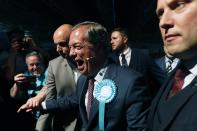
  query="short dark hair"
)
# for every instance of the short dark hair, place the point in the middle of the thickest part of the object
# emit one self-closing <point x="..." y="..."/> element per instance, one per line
<point x="123" y="31"/>
<point x="96" y="34"/>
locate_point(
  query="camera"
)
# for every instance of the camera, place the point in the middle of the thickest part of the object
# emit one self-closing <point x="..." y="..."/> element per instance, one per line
<point x="31" y="78"/>
<point x="27" y="36"/>
<point x="30" y="83"/>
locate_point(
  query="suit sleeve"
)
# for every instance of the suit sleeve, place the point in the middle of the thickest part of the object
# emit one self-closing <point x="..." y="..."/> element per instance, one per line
<point x="51" y="88"/>
<point x="44" y="121"/>
<point x="137" y="104"/>
<point x="67" y="104"/>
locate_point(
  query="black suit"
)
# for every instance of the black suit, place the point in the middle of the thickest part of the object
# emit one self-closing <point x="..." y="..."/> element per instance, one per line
<point x="177" y="113"/>
<point x="161" y="63"/>
<point x="143" y="63"/>
<point x="128" y="110"/>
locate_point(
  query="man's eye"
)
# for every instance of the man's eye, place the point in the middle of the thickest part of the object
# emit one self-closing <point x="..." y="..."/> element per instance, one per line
<point x="78" y="47"/>
<point x="178" y="5"/>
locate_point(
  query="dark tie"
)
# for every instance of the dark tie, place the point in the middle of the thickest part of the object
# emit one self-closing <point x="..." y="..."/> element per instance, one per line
<point x="169" y="68"/>
<point x="90" y="95"/>
<point x="124" y="61"/>
<point x="178" y="82"/>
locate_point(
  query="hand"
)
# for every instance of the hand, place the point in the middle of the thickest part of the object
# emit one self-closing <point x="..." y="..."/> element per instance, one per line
<point x="33" y="103"/>
<point x="25" y="108"/>
<point x="15" y="47"/>
<point x="30" y="42"/>
<point x="20" y="78"/>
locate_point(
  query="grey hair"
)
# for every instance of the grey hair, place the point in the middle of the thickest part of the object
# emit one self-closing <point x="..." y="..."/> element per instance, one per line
<point x="96" y="34"/>
<point x="34" y="53"/>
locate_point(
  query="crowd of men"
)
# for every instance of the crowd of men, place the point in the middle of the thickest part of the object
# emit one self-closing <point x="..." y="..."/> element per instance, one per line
<point x="100" y="85"/>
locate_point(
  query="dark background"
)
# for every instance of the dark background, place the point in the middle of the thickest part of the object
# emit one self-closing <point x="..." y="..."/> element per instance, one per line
<point x="42" y="17"/>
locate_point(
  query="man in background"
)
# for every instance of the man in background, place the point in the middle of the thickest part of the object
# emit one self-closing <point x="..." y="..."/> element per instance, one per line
<point x="136" y="59"/>
<point x="28" y="84"/>
<point x="167" y="62"/>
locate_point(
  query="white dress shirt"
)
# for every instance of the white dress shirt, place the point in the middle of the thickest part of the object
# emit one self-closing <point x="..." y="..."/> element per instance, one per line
<point x="188" y="79"/>
<point x="127" y="54"/>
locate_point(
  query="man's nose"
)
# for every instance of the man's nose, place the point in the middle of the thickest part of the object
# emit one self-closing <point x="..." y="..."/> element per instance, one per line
<point x="35" y="66"/>
<point x="166" y="21"/>
<point x="58" y="48"/>
<point x="72" y="52"/>
<point x="111" y="41"/>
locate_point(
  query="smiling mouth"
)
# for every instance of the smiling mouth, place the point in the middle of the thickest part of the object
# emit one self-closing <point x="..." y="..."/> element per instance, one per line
<point x="79" y="63"/>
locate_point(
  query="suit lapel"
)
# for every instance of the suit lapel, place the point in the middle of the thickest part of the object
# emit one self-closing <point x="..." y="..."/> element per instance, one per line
<point x="177" y="102"/>
<point x="83" y="113"/>
<point x="133" y="59"/>
<point x="111" y="73"/>
<point x="163" y="64"/>
<point x="156" y="101"/>
<point x="165" y="88"/>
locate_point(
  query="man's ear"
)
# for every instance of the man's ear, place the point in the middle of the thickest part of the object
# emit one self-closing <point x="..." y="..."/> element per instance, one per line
<point x="125" y="39"/>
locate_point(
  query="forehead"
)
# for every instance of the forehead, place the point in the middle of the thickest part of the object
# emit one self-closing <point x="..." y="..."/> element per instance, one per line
<point x="33" y="58"/>
<point x="78" y="35"/>
<point x="162" y="3"/>
<point x="61" y="37"/>
<point x="115" y="34"/>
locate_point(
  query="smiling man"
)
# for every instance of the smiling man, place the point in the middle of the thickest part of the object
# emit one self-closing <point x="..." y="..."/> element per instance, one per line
<point x="174" y="107"/>
<point x="120" y="98"/>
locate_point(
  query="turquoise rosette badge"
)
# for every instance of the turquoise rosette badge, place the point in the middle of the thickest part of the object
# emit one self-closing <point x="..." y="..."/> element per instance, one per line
<point x="105" y="91"/>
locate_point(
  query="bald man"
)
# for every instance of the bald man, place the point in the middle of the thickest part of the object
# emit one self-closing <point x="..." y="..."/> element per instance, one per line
<point x="61" y="80"/>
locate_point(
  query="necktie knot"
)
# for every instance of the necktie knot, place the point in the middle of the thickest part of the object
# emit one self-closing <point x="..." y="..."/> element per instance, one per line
<point x="178" y="81"/>
<point x="169" y="67"/>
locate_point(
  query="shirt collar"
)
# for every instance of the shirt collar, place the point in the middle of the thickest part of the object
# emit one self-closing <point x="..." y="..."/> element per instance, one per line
<point x="127" y="51"/>
<point x="193" y="70"/>
<point x="100" y="75"/>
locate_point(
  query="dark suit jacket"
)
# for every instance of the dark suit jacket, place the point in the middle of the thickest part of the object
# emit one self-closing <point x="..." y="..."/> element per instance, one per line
<point x="177" y="113"/>
<point x="161" y="63"/>
<point x="128" y="110"/>
<point x="143" y="63"/>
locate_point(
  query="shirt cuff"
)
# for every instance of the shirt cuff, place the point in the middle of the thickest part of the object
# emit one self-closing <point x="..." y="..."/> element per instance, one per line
<point x="43" y="104"/>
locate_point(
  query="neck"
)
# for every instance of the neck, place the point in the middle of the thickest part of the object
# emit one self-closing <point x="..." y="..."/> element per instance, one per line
<point x="98" y="64"/>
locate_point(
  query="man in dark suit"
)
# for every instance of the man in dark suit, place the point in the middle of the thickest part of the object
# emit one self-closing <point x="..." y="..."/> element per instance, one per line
<point x="178" y="26"/>
<point x="120" y="97"/>
<point x="137" y="59"/>
<point x="167" y="62"/>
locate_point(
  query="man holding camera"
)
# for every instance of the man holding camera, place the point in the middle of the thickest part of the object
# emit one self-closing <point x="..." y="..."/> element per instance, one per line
<point x="20" y="45"/>
<point x="27" y="85"/>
